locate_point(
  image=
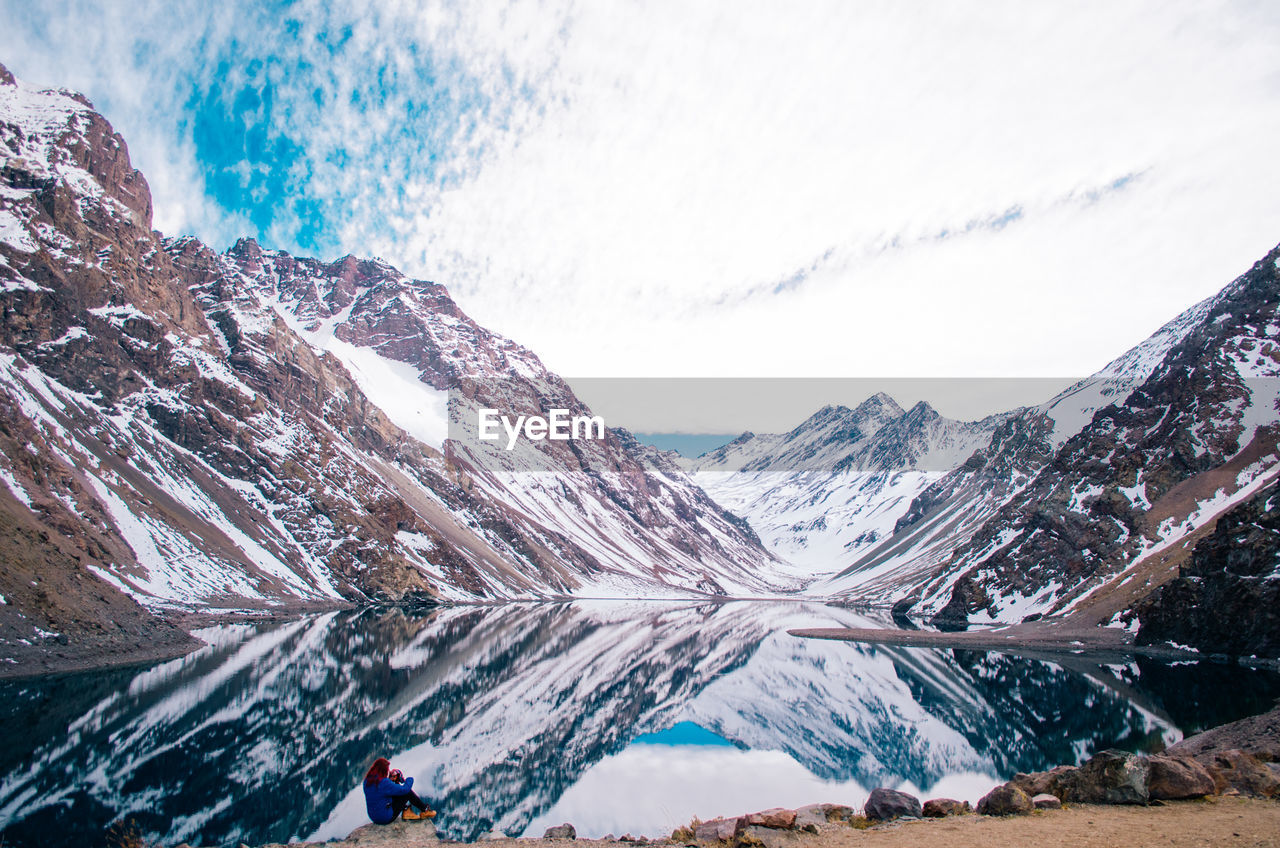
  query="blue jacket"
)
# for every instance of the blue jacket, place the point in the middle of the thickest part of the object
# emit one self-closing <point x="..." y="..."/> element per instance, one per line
<point x="377" y="798"/>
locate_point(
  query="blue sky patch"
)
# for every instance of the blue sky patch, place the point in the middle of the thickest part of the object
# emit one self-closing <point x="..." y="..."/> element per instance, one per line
<point x="682" y="733"/>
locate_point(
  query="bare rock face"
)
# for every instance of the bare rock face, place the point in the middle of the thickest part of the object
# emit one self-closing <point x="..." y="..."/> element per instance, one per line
<point x="885" y="804"/>
<point x="1177" y="779"/>
<point x="1005" y="800"/>
<point x="937" y="808"/>
<point x="1226" y="598"/>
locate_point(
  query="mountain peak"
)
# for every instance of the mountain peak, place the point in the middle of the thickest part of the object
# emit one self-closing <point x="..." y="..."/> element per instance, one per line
<point x="923" y="410"/>
<point x="880" y="404"/>
<point x="246" y="247"/>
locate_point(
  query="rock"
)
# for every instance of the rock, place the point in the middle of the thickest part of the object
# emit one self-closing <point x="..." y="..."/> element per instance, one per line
<point x="769" y="837"/>
<point x="721" y="830"/>
<point x="778" y="818"/>
<point x="1111" y="777"/>
<point x="1258" y="735"/>
<point x="1046" y="802"/>
<point x="490" y="836"/>
<point x="1243" y="772"/>
<point x="819" y="815"/>
<point x="1177" y="779"/>
<point x="1057" y="781"/>
<point x="400" y="834"/>
<point x="937" y="808"/>
<point x="561" y="831"/>
<point x="1005" y="800"/>
<point x="885" y="804"/>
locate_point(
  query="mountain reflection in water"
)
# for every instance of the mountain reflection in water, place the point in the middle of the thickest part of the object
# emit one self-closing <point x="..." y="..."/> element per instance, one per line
<point x="613" y="715"/>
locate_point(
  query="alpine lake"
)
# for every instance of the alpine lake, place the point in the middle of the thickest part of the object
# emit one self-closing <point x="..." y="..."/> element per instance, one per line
<point x="618" y="716"/>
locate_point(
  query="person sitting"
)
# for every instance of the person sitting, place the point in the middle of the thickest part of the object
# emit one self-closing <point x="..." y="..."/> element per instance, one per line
<point x="388" y="793"/>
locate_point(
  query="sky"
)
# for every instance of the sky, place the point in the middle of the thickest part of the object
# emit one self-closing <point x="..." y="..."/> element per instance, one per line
<point x="654" y="189"/>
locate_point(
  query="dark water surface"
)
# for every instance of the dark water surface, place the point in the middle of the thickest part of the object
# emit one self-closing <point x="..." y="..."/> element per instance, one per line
<point x="615" y="716"/>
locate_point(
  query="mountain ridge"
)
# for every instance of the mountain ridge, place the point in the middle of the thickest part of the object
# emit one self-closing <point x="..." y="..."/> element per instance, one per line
<point x="205" y="430"/>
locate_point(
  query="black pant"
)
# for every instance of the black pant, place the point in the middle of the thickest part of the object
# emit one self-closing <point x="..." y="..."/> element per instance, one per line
<point x="399" y="802"/>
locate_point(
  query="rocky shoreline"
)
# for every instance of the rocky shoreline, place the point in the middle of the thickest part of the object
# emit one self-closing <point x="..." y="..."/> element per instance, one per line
<point x="1225" y="777"/>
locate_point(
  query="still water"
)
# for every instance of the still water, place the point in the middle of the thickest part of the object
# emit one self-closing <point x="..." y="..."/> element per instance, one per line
<point x="619" y="717"/>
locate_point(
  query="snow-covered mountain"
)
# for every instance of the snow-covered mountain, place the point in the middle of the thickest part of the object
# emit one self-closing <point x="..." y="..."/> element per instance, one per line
<point x="1086" y="502"/>
<point x="184" y="427"/>
<point x="838" y="483"/>
<point x="254" y="428"/>
<point x="1080" y="505"/>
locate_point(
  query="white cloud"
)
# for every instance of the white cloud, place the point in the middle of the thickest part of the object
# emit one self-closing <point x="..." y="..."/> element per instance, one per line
<point x="622" y="186"/>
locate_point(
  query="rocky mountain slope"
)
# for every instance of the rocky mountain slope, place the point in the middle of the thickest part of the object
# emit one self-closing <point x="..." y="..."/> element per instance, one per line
<point x="209" y="429"/>
<point x="1226" y="598"/>
<point x="1103" y="481"/>
<point x="1078" y="506"/>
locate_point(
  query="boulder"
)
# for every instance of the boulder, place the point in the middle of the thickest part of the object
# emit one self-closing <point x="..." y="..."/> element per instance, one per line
<point x="1177" y="779"/>
<point x="1005" y="800"/>
<point x="775" y="817"/>
<point x="719" y="830"/>
<point x="937" y="808"/>
<point x="1057" y="781"/>
<point x="768" y="837"/>
<point x="1046" y="802"/>
<point x="885" y="804"/>
<point x="1243" y="772"/>
<point x="1111" y="777"/>
<point x="561" y="831"/>
<point x="818" y="815"/>
<point x="400" y="833"/>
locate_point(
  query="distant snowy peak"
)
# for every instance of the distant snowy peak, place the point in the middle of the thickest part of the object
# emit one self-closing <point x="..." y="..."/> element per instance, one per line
<point x="839" y="483"/>
<point x="877" y="435"/>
